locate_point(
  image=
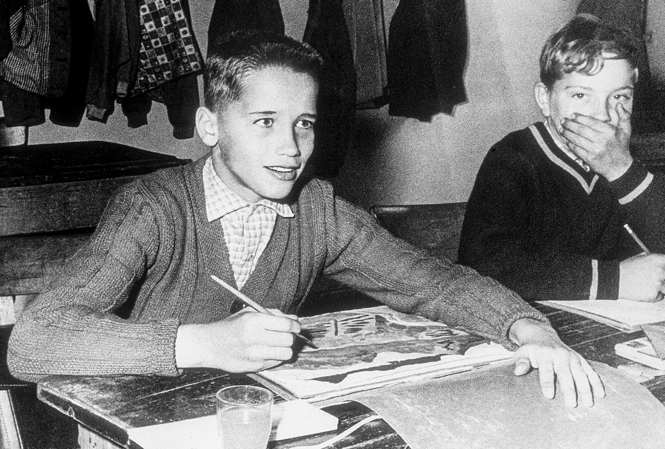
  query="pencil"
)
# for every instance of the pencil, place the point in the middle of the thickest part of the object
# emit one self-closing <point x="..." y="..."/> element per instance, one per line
<point x="660" y="295"/>
<point x="637" y="239"/>
<point x="256" y="306"/>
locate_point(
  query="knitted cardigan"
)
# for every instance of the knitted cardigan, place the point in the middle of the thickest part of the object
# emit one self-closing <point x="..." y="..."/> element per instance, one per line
<point x="155" y="249"/>
<point x="541" y="225"/>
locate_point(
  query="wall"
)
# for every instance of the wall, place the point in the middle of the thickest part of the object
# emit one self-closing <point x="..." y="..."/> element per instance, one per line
<point x="403" y="161"/>
<point x="396" y="160"/>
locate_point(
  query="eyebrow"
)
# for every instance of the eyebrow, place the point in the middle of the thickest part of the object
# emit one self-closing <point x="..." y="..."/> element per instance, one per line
<point x="306" y="115"/>
<point x="575" y="86"/>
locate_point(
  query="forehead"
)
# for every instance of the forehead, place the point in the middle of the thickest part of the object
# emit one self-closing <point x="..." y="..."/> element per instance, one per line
<point x="271" y="81"/>
<point x="615" y="74"/>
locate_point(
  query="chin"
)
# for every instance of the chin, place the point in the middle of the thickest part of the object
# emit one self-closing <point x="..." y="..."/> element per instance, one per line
<point x="278" y="195"/>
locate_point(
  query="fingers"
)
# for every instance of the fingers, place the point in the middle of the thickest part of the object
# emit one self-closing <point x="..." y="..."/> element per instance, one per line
<point x="547" y="381"/>
<point x="597" y="386"/>
<point x="561" y="371"/>
<point x="522" y="366"/>
<point x="578" y="130"/>
<point x="267" y="355"/>
<point x="278" y="322"/>
<point x="576" y="380"/>
<point x="624" y="118"/>
<point x="585" y="125"/>
<point x="586" y="382"/>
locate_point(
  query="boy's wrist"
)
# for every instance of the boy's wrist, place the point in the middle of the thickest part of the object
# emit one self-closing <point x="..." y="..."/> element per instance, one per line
<point x="529" y="330"/>
<point x="186" y="353"/>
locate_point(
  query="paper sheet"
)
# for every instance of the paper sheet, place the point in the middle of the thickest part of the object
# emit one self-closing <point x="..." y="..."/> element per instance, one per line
<point x="290" y="419"/>
<point x="621" y="313"/>
<point x="496" y="409"/>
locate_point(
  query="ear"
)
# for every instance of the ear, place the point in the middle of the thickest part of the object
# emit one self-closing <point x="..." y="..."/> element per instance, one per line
<point x="542" y="94"/>
<point x="207" y="126"/>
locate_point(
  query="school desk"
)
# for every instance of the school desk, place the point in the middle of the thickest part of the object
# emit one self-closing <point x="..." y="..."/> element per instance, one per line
<point x="107" y="407"/>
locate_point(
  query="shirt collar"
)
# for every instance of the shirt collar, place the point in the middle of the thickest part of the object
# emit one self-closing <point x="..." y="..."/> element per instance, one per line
<point x="221" y="200"/>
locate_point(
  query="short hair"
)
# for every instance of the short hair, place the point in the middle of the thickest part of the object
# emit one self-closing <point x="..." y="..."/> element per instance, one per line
<point x="235" y="55"/>
<point x="583" y="45"/>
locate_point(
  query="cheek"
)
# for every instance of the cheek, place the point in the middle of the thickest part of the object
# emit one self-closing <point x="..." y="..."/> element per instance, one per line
<point x="567" y="109"/>
<point x="306" y="144"/>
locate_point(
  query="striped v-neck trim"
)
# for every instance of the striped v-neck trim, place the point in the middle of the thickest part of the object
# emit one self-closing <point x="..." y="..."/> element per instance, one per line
<point x="564" y="164"/>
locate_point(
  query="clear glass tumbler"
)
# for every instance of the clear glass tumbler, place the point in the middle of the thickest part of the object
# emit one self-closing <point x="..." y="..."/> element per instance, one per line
<point x="243" y="416"/>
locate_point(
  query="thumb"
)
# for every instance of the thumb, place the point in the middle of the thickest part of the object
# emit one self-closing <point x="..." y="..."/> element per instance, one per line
<point x="522" y="366"/>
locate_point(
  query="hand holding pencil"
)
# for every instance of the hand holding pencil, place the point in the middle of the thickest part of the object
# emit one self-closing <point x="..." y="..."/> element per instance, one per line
<point x="256" y="306"/>
<point x="642" y="277"/>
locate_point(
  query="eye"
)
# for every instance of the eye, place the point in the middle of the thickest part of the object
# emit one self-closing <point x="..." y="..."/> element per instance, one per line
<point x="265" y="122"/>
<point x="305" y="124"/>
<point x="579" y="95"/>
<point x="623" y="97"/>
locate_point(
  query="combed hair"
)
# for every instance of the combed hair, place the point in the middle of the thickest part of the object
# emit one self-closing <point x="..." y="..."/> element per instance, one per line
<point x="583" y="45"/>
<point x="235" y="55"/>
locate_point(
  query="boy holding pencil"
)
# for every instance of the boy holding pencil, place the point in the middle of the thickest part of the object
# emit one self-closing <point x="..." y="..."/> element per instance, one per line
<point x="243" y="213"/>
<point x="561" y="210"/>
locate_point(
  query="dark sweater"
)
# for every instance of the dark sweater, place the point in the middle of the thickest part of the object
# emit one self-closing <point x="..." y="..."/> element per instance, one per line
<point x="154" y="246"/>
<point x="541" y="225"/>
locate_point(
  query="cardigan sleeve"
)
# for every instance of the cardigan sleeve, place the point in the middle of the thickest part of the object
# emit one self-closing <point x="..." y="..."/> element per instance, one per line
<point x="504" y="236"/>
<point x="71" y="328"/>
<point x="641" y="195"/>
<point x="366" y="257"/>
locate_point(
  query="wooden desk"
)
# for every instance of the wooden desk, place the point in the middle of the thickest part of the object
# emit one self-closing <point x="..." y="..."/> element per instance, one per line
<point x="109" y="406"/>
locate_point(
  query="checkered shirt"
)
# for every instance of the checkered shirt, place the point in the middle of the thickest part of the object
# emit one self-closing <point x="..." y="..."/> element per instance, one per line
<point x="247" y="226"/>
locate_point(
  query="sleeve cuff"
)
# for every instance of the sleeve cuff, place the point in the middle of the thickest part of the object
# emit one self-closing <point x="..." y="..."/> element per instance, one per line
<point x="632" y="183"/>
<point x="608" y="279"/>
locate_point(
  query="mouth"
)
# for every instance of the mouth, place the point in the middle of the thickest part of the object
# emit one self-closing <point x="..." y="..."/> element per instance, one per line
<point x="284" y="173"/>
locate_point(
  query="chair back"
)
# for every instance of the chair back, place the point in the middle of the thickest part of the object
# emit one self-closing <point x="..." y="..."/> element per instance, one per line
<point x="433" y="227"/>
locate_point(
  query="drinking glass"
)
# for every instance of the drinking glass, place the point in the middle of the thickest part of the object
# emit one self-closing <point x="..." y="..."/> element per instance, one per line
<point x="243" y="416"/>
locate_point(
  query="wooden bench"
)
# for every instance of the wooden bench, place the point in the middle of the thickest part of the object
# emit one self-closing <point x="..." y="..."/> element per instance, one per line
<point x="434" y="227"/>
<point x="51" y="199"/>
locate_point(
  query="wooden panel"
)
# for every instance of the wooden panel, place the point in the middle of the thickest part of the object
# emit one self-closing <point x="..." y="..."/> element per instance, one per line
<point x="28" y="262"/>
<point x="434" y="227"/>
<point x="45" y="188"/>
<point x="56" y="207"/>
<point x="77" y="161"/>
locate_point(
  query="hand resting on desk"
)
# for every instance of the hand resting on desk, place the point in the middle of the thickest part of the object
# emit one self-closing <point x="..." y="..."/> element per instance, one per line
<point x="245" y="342"/>
<point x="540" y="347"/>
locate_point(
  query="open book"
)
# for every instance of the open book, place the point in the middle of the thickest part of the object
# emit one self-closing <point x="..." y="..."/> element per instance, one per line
<point x="369" y="348"/>
<point x="622" y="314"/>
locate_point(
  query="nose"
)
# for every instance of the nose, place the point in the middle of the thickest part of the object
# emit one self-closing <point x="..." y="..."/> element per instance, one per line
<point x="288" y="144"/>
<point x="602" y="110"/>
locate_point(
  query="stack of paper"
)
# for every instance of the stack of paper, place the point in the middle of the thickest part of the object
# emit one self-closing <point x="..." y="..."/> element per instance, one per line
<point x="622" y="314"/>
<point x="364" y="349"/>
<point x="640" y="350"/>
